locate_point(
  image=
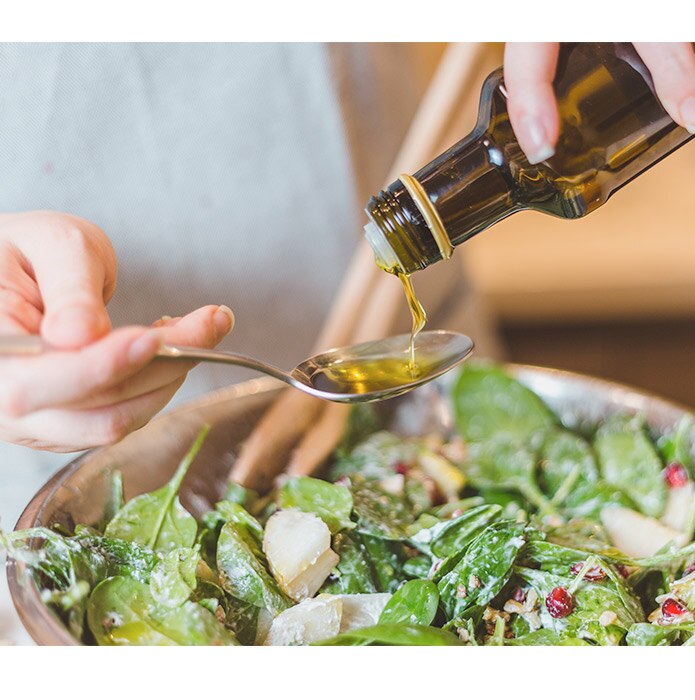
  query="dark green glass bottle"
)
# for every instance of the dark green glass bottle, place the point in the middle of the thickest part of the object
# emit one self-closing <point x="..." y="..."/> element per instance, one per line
<point x="612" y="128"/>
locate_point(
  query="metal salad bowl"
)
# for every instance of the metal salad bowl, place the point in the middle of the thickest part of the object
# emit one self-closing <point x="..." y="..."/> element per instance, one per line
<point x="148" y="457"/>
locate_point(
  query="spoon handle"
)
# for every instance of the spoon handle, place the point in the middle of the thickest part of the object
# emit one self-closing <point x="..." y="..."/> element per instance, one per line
<point x="34" y="345"/>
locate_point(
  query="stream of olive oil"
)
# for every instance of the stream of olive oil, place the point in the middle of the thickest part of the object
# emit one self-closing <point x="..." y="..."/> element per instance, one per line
<point x="419" y="317"/>
<point x="368" y="375"/>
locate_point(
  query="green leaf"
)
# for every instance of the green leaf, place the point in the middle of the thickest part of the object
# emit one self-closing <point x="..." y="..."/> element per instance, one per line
<point x="121" y="558"/>
<point x="386" y="559"/>
<point x="174" y="578"/>
<point x="644" y="634"/>
<point x="417" y="567"/>
<point x="591" y="600"/>
<point x="394" y="635"/>
<point x="484" y="569"/>
<point x="121" y="612"/>
<point x="414" y="603"/>
<point x="379" y="513"/>
<point x="243" y="572"/>
<point x="114" y="500"/>
<point x="354" y="573"/>
<point x="505" y="464"/>
<point x="489" y="403"/>
<point x="331" y="502"/>
<point x="458" y="533"/>
<point x="236" y="493"/>
<point x="157" y="519"/>
<point x="629" y="461"/>
<point x="676" y="446"/>
<point x="375" y="458"/>
<point x="587" y="500"/>
<point x="545" y="637"/>
<point x="566" y="460"/>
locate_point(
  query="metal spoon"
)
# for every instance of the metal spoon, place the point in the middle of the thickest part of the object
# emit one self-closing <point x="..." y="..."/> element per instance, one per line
<point x="370" y="371"/>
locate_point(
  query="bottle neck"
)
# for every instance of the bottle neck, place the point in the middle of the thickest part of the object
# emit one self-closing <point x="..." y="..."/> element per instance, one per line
<point x="467" y="193"/>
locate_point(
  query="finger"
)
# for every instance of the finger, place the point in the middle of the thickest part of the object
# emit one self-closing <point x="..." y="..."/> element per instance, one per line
<point x="74" y="267"/>
<point x="65" y="430"/>
<point x="17" y="313"/>
<point x="204" y="327"/>
<point x="672" y="66"/>
<point x="529" y="70"/>
<point x="16" y="274"/>
<point x="57" y="378"/>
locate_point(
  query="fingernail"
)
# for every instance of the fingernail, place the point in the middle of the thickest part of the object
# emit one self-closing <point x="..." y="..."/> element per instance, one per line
<point x="687" y="111"/>
<point x="145" y="346"/>
<point x="535" y="139"/>
<point x="161" y="321"/>
<point x="224" y="319"/>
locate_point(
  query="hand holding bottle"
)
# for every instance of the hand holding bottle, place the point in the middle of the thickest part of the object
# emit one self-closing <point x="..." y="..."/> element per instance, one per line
<point x="529" y="69"/>
<point x="57" y="273"/>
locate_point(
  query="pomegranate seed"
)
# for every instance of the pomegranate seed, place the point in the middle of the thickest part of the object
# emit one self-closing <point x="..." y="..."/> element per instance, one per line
<point x="622" y="570"/>
<point x="593" y="573"/>
<point x="401" y="468"/>
<point x="676" y="475"/>
<point x="672" y="608"/>
<point x="689" y="570"/>
<point x="519" y="595"/>
<point x="559" y="602"/>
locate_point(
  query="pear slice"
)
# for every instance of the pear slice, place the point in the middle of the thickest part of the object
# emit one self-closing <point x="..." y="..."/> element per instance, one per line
<point x="680" y="504"/>
<point x="310" y="621"/>
<point x="638" y="535"/>
<point x="449" y="480"/>
<point x="298" y="548"/>
<point x="362" y="610"/>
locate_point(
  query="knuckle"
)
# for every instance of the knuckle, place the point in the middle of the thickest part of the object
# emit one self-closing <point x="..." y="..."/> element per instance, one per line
<point x="114" y="427"/>
<point x="13" y="401"/>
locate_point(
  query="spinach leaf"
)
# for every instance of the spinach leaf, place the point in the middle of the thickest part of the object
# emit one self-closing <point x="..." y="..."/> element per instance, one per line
<point x="157" y="519"/>
<point x="354" y="573"/>
<point x="591" y="600"/>
<point x="676" y="446"/>
<point x="458" y="533"/>
<point x="414" y="603"/>
<point x="629" y="461"/>
<point x="386" y="559"/>
<point x="394" y="635"/>
<point x="379" y="513"/>
<point x="375" y="458"/>
<point x="504" y="463"/>
<point x="243" y="572"/>
<point x="121" y="611"/>
<point x="331" y="502"/>
<point x="545" y="637"/>
<point x="484" y="569"/>
<point x="120" y="558"/>
<point x="644" y="634"/>
<point x="565" y="461"/>
<point x="236" y="493"/>
<point x="587" y="500"/>
<point x="174" y="578"/>
<point x="114" y="500"/>
<point x="417" y="567"/>
<point x="489" y="403"/>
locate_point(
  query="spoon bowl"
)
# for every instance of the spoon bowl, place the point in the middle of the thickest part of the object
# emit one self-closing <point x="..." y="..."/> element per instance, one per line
<point x="378" y="369"/>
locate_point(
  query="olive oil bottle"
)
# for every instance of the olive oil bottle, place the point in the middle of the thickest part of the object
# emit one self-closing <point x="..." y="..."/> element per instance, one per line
<point x="612" y="128"/>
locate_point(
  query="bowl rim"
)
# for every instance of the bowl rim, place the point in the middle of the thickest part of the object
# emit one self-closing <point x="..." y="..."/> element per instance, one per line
<point x="44" y="626"/>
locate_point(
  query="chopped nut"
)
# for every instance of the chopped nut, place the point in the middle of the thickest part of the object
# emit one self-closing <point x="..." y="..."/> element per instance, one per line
<point x="461" y="591"/>
<point x="607" y="617"/>
<point x="473" y="581"/>
<point x="463" y="634"/>
<point x="513" y="606"/>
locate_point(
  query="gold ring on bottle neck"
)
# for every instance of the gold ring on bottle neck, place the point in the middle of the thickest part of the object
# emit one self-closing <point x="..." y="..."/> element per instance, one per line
<point x="429" y="214"/>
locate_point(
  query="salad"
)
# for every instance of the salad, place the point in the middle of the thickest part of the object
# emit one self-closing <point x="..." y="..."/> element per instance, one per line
<point x="512" y="530"/>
